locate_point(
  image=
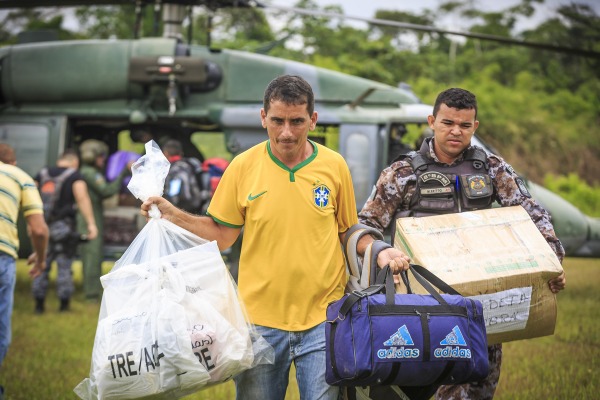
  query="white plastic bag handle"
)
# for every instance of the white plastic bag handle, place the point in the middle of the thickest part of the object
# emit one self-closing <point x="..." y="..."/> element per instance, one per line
<point x="149" y="173"/>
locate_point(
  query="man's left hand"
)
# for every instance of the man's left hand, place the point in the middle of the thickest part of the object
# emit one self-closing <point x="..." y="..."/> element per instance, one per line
<point x="557" y="284"/>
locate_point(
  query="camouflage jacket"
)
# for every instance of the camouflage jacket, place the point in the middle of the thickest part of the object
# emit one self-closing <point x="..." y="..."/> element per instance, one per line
<point x="396" y="185"/>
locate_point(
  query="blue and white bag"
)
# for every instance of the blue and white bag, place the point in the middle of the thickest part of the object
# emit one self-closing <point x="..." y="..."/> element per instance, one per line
<point x="377" y="337"/>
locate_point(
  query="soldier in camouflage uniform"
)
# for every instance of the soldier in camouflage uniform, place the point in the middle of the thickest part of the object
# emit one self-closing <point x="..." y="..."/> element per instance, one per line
<point x="93" y="159"/>
<point x="454" y="123"/>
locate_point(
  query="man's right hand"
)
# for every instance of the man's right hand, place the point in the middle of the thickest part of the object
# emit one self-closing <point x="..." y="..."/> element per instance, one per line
<point x="37" y="265"/>
<point x="167" y="210"/>
<point x="92" y="231"/>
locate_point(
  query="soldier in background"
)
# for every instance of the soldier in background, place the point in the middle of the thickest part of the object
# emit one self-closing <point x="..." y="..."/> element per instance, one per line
<point x="183" y="184"/>
<point x="63" y="192"/>
<point x="143" y="135"/>
<point x="93" y="160"/>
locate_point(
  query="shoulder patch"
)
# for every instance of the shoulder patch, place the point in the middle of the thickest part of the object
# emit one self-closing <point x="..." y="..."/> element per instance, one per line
<point x="522" y="187"/>
<point x="396" y="165"/>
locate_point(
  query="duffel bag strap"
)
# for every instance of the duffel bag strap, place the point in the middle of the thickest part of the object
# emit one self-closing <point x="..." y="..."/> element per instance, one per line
<point x="356" y="296"/>
<point x="426" y="274"/>
<point x="404" y="275"/>
<point x="376" y="247"/>
<point x="361" y="274"/>
<point x="385" y="278"/>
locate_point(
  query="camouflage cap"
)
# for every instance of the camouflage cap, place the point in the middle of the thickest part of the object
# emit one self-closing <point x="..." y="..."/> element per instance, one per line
<point x="92" y="149"/>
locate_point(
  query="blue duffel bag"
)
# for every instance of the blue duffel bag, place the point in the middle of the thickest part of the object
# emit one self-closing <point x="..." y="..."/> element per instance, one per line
<point x="377" y="337"/>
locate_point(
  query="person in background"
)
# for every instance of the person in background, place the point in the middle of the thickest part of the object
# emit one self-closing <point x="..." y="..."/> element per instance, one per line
<point x="295" y="200"/>
<point x="17" y="192"/>
<point x="63" y="192"/>
<point x="413" y="187"/>
<point x="183" y="184"/>
<point x="144" y="135"/>
<point x="7" y="154"/>
<point x="93" y="159"/>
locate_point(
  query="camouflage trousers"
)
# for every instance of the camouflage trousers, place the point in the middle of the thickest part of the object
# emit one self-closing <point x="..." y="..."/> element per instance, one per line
<point x="481" y="390"/>
<point x="63" y="256"/>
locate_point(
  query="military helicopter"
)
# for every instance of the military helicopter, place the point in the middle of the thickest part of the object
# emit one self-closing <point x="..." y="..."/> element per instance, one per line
<point x="54" y="95"/>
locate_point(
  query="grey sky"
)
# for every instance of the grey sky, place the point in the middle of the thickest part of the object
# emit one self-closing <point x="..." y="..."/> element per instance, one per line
<point x="367" y="8"/>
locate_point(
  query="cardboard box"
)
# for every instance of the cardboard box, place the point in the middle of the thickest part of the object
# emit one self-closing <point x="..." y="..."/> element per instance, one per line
<point x="497" y="255"/>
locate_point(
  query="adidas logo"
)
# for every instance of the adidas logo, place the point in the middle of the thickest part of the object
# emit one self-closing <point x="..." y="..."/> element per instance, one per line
<point x="400" y="338"/>
<point x="454" y="338"/>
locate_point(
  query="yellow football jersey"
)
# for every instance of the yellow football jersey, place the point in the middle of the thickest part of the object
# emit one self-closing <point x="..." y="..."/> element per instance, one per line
<point x="291" y="264"/>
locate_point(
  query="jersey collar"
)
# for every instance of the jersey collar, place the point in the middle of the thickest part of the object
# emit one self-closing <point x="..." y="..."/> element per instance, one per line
<point x="293" y="170"/>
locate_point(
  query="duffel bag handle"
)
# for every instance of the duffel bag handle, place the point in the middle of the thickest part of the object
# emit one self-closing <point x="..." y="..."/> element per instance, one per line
<point x="425" y="274"/>
<point x="385" y="280"/>
<point x="426" y="278"/>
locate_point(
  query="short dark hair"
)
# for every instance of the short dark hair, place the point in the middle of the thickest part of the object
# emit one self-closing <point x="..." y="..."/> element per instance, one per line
<point x="7" y="154"/>
<point x="139" y="135"/>
<point x="69" y="153"/>
<point x="460" y="99"/>
<point x="173" y="147"/>
<point x="290" y="89"/>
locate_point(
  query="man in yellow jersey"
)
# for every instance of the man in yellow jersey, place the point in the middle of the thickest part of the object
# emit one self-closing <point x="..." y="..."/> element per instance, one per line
<point x="17" y="192"/>
<point x="295" y="200"/>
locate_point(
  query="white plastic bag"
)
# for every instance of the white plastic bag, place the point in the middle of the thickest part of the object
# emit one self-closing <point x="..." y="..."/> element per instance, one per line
<point x="220" y="335"/>
<point x="142" y="346"/>
<point x="171" y="322"/>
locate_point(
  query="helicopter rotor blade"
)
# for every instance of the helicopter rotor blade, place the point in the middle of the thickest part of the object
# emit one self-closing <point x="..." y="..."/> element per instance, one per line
<point x="425" y="28"/>
<point x="214" y="4"/>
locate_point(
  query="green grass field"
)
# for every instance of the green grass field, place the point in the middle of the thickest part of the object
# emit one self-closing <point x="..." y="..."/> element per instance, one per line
<point x="51" y="353"/>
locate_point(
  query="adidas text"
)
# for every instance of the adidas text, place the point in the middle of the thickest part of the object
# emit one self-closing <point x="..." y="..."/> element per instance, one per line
<point x="452" y="352"/>
<point x="395" y="352"/>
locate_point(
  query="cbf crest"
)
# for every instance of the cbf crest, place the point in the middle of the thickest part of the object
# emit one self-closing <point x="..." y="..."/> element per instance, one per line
<point x="321" y="196"/>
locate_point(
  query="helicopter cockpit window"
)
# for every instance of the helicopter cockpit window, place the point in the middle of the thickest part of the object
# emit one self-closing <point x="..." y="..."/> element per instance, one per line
<point x="30" y="142"/>
<point x="359" y="162"/>
<point x="327" y="135"/>
<point x="211" y="144"/>
<point x="357" y="143"/>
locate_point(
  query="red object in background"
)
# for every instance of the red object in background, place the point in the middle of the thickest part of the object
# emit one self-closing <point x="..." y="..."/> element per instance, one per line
<point x="215" y="167"/>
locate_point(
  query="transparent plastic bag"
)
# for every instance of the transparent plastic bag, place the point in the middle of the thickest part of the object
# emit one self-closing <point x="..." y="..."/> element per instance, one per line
<point x="159" y="237"/>
<point x="171" y="321"/>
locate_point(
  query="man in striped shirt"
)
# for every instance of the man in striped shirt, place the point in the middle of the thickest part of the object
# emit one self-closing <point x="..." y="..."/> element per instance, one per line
<point x="17" y="192"/>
